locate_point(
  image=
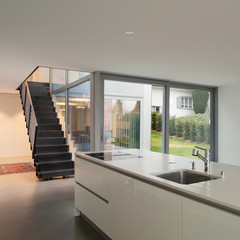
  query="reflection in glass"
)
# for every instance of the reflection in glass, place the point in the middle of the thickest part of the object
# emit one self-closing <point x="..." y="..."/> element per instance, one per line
<point x="58" y="78"/>
<point x="76" y="75"/>
<point x="121" y="123"/>
<point x="41" y="74"/>
<point x="79" y="116"/>
<point x="59" y="102"/>
<point x="189" y="122"/>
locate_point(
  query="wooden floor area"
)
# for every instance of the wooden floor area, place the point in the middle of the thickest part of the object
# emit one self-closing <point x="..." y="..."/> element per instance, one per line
<point x="32" y="209"/>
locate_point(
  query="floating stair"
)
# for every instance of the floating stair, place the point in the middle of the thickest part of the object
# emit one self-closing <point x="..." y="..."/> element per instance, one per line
<point x="51" y="153"/>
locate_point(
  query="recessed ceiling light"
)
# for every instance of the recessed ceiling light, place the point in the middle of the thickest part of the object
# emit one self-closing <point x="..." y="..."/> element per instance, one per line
<point x="130" y="33"/>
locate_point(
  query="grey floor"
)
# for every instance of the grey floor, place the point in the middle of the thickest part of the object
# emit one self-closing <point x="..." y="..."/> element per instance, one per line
<point x="32" y="209"/>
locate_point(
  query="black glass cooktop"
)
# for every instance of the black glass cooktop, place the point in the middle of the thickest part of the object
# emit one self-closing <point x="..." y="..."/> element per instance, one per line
<point x="109" y="156"/>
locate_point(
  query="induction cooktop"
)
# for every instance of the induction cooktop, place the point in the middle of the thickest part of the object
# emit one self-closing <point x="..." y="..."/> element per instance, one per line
<point x="109" y="156"/>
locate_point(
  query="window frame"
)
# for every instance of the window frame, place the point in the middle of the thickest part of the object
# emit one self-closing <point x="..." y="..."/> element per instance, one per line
<point x="166" y="85"/>
<point x="183" y="105"/>
<point x="97" y="106"/>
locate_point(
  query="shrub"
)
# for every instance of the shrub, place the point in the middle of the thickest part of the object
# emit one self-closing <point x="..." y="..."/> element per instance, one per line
<point x="154" y="120"/>
<point x="207" y="133"/>
<point x="159" y="122"/>
<point x="186" y="133"/>
<point x="200" y="133"/>
<point x="193" y="131"/>
<point x="179" y="127"/>
<point x="172" y="129"/>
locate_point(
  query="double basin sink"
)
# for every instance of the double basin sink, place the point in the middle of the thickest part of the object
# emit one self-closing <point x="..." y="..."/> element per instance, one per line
<point x="186" y="176"/>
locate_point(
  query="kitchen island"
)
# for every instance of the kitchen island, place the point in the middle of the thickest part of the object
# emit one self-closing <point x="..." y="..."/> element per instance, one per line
<point x="120" y="192"/>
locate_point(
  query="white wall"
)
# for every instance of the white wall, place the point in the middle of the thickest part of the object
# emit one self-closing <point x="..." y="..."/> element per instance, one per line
<point x="229" y="124"/>
<point x="14" y="139"/>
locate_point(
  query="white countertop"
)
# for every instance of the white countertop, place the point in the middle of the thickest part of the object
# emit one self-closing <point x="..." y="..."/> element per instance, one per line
<point x="223" y="193"/>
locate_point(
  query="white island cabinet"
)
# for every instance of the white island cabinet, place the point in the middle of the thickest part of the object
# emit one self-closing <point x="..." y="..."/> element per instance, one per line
<point x="125" y="208"/>
<point x="158" y="214"/>
<point x="127" y="201"/>
<point x="91" y="193"/>
<point x="201" y="221"/>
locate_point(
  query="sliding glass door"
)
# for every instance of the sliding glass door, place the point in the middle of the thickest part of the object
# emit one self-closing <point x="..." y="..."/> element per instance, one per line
<point x="189" y="122"/>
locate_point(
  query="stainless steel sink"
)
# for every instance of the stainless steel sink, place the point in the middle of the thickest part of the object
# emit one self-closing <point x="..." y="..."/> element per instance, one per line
<point x="186" y="176"/>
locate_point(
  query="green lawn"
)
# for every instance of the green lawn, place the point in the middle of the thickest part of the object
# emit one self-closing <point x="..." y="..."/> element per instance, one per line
<point x="177" y="146"/>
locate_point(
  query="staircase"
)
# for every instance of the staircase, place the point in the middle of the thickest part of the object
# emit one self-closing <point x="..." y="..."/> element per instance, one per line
<point x="49" y="149"/>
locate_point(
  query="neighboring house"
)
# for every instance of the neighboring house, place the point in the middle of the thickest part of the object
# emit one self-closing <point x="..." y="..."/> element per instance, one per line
<point x="181" y="102"/>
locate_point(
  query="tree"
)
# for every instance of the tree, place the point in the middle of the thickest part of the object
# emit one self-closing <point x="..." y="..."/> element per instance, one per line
<point x="200" y="100"/>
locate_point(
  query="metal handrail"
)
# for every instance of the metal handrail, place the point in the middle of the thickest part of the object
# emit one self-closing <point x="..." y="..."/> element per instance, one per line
<point x="29" y="112"/>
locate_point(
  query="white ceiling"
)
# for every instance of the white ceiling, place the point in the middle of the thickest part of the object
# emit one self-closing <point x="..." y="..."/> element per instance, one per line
<point x="187" y="41"/>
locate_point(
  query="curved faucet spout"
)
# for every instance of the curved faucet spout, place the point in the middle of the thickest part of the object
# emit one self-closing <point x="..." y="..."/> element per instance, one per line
<point x="205" y="158"/>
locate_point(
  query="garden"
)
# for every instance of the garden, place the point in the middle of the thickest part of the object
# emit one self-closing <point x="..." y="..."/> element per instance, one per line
<point x="184" y="132"/>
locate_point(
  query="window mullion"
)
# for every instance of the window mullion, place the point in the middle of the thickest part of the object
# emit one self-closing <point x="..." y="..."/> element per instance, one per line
<point x="165" y="136"/>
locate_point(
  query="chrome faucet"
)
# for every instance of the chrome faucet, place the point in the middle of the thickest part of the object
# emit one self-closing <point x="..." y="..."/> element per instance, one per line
<point x="205" y="158"/>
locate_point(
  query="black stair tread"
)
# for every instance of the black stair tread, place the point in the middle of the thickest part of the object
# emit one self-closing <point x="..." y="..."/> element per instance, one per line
<point x="39" y="93"/>
<point x="42" y="105"/>
<point x="41" y="98"/>
<point x="49" y="137"/>
<point x="42" y="101"/>
<point x="38" y="89"/>
<point x="49" y="127"/>
<point x="46" y="114"/>
<point x="47" y="118"/>
<point x="37" y="83"/>
<point x="47" y="124"/>
<point x="59" y="170"/>
<point x="44" y="109"/>
<point x="54" y="162"/>
<point x="55" y="173"/>
<point x="52" y="145"/>
<point x="51" y="153"/>
<point x="50" y="130"/>
<point x="41" y="111"/>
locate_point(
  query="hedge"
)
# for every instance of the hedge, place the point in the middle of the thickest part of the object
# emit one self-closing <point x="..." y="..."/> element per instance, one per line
<point x="191" y="127"/>
<point x="172" y="126"/>
<point x="194" y="127"/>
<point x="156" y="121"/>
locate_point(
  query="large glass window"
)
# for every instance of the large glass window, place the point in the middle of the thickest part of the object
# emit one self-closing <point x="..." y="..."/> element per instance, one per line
<point x="58" y="78"/>
<point x="79" y="117"/>
<point x="76" y="75"/>
<point x="189" y="122"/>
<point x="60" y="104"/>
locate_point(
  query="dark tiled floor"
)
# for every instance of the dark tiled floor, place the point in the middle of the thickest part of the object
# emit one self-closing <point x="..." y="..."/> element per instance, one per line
<point x="31" y="210"/>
